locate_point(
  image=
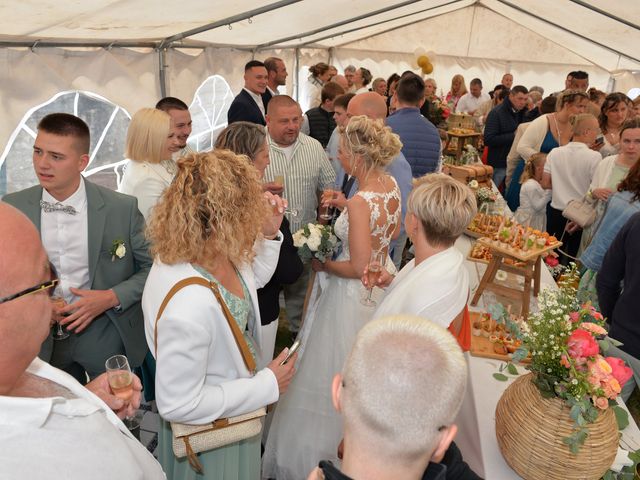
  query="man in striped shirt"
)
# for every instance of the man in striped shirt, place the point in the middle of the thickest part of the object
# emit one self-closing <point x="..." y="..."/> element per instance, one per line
<point x="306" y="170"/>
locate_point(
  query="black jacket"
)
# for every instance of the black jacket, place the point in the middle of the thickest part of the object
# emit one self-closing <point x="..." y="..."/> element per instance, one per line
<point x="321" y="124"/>
<point x="287" y="271"/>
<point x="499" y="132"/>
<point x="620" y="306"/>
<point x="244" y="108"/>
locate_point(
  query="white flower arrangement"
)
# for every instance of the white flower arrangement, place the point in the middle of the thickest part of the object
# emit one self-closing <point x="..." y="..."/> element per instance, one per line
<point x="315" y="241"/>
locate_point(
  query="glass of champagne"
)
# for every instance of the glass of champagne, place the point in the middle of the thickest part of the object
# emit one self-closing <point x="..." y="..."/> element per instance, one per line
<point x="278" y="178"/>
<point x="325" y="210"/>
<point x="121" y="382"/>
<point x="374" y="270"/>
<point x="59" y="332"/>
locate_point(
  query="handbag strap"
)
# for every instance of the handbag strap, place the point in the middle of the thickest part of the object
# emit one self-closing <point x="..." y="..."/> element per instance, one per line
<point x="249" y="361"/>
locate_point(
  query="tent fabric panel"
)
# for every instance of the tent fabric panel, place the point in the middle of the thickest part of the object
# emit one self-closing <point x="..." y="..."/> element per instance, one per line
<point x="377" y="24"/>
<point x="115" y="19"/>
<point x="476" y="32"/>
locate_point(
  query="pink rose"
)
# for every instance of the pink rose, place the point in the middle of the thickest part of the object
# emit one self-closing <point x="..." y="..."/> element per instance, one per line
<point x="593" y="328"/>
<point x="582" y="344"/>
<point x="601" y="402"/>
<point x="611" y="388"/>
<point x="574" y="316"/>
<point x="619" y="370"/>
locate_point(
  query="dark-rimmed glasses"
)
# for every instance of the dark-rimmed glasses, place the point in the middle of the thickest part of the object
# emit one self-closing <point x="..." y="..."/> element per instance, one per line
<point x="49" y="286"/>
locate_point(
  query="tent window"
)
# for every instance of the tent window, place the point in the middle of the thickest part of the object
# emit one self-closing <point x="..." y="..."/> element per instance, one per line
<point x="209" y="109"/>
<point x="107" y="122"/>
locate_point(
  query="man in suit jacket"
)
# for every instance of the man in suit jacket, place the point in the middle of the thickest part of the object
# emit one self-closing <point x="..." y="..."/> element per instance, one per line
<point x="95" y="239"/>
<point x="250" y="105"/>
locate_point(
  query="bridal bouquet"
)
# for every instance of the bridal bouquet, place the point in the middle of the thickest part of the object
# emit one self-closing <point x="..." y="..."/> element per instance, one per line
<point x="315" y="241"/>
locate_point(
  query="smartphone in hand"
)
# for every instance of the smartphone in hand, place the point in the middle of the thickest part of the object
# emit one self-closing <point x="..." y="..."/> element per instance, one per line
<point x="293" y="349"/>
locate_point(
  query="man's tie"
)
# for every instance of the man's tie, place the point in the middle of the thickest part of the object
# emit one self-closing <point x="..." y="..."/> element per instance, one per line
<point x="49" y="207"/>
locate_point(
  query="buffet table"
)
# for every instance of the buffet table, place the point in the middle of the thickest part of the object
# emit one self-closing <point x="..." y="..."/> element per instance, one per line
<point x="476" y="421"/>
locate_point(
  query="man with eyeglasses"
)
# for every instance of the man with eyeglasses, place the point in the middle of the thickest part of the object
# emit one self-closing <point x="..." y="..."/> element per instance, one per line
<point x="45" y="415"/>
<point x="95" y="239"/>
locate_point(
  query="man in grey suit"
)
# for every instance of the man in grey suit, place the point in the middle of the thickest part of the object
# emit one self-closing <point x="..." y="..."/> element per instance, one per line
<point x="95" y="239"/>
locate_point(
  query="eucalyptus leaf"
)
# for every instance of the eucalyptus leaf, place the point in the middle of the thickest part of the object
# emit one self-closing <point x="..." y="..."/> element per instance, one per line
<point x="511" y="368"/>
<point x="622" y="417"/>
<point x="500" y="376"/>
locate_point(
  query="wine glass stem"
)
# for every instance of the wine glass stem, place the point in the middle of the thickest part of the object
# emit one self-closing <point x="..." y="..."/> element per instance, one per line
<point x="369" y="295"/>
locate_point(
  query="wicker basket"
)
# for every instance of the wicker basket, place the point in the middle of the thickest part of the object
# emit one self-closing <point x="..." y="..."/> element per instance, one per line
<point x="530" y="430"/>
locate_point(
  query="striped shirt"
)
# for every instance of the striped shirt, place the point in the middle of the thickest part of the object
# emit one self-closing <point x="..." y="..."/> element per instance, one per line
<point x="307" y="173"/>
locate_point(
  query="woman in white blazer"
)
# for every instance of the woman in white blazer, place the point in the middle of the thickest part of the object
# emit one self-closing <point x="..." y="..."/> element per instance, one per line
<point x="435" y="284"/>
<point x="150" y="169"/>
<point x="212" y="222"/>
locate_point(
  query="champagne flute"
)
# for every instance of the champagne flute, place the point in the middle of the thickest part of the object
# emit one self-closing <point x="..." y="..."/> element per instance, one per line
<point x="325" y="210"/>
<point x="374" y="270"/>
<point x="59" y="332"/>
<point x="121" y="382"/>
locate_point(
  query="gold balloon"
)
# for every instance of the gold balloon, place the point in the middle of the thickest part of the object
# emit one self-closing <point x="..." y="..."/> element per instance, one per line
<point x="427" y="68"/>
<point x="423" y="60"/>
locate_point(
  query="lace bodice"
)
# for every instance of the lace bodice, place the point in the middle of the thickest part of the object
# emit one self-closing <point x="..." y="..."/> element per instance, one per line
<point x="385" y="215"/>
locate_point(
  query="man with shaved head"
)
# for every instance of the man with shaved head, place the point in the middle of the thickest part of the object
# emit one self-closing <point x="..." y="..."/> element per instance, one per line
<point x="306" y="170"/>
<point x="46" y="415"/>
<point x="373" y="106"/>
<point x="420" y="139"/>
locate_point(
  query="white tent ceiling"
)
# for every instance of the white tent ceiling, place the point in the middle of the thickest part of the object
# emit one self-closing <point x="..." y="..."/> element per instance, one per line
<point x="603" y="32"/>
<point x="537" y="40"/>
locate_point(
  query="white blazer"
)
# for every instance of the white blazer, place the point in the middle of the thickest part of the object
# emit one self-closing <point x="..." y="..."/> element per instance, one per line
<point x="436" y="290"/>
<point x="200" y="373"/>
<point x="145" y="181"/>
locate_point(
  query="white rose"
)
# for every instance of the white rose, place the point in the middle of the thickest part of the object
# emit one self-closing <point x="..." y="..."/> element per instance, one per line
<point x="121" y="251"/>
<point x="314" y="241"/>
<point x="299" y="239"/>
<point x="473" y="184"/>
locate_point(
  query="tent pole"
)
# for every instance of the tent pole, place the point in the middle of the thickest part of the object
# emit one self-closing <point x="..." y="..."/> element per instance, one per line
<point x="297" y="77"/>
<point x="338" y="24"/>
<point x="564" y="29"/>
<point x="162" y="59"/>
<point x="226" y="21"/>
<point x="606" y="14"/>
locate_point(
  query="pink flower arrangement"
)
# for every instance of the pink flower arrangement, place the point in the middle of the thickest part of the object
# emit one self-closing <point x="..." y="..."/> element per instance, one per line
<point x="582" y="344"/>
<point x="592" y="328"/>
<point x="619" y="370"/>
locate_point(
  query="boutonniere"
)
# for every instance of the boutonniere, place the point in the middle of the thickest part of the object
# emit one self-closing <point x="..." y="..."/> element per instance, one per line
<point x="117" y="249"/>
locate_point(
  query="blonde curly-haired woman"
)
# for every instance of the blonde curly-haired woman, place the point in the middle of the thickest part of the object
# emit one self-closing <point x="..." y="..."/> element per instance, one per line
<point x="212" y="222"/>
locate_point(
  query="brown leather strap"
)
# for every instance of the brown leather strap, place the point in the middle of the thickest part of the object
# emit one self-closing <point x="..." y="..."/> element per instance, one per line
<point x="249" y="361"/>
<point x="192" y="457"/>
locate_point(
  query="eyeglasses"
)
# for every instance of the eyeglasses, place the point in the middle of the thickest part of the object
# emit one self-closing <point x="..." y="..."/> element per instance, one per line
<point x="49" y="286"/>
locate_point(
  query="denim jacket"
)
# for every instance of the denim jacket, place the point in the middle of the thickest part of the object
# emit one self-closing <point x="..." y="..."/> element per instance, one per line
<point x="619" y="209"/>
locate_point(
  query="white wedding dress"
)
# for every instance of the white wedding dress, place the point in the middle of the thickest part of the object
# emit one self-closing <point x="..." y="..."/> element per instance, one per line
<point x="305" y="427"/>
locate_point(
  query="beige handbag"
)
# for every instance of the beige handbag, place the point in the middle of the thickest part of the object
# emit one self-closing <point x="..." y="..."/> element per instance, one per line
<point x="189" y="440"/>
<point x="582" y="212"/>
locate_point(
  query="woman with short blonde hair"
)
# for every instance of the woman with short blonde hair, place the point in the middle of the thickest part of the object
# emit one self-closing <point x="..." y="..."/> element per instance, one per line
<point x="435" y="284"/>
<point x="150" y="168"/>
<point x="212" y="223"/>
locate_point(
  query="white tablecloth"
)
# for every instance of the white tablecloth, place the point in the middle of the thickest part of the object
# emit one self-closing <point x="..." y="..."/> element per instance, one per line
<point x="476" y="421"/>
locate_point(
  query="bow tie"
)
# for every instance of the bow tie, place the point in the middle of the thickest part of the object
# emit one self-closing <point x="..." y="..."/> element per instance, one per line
<point x="57" y="207"/>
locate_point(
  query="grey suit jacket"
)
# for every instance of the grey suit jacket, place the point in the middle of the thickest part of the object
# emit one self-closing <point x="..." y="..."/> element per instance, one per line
<point x="110" y="216"/>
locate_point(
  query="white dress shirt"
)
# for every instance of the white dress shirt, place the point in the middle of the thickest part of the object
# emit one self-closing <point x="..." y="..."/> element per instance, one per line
<point x="72" y="438"/>
<point x="468" y="103"/>
<point x="258" y="99"/>
<point x="66" y="239"/>
<point x="572" y="168"/>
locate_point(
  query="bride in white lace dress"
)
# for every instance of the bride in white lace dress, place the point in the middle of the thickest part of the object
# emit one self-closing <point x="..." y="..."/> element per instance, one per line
<point x="305" y="427"/>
